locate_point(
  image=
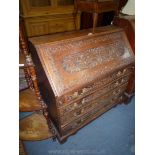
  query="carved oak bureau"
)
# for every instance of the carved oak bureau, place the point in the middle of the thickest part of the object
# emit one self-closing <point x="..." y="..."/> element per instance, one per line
<point x="81" y="75"/>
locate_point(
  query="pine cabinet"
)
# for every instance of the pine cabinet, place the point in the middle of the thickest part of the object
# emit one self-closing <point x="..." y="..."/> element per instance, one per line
<point x="48" y="16"/>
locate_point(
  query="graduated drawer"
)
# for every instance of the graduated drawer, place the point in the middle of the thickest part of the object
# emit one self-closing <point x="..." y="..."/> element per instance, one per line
<point x="90" y="88"/>
<point x="82" y="121"/>
<point x="95" y="94"/>
<point x="92" y="104"/>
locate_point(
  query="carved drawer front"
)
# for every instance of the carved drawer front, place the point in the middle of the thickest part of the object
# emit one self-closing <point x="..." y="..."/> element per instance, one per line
<point x="77" y="95"/>
<point x="84" y="101"/>
<point x="80" y="122"/>
<point x="92" y="104"/>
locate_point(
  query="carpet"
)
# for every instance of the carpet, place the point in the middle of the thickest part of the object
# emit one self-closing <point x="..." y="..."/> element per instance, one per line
<point x="113" y="133"/>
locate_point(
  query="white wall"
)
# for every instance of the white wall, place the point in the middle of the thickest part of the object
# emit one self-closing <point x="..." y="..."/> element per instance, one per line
<point x="129" y="8"/>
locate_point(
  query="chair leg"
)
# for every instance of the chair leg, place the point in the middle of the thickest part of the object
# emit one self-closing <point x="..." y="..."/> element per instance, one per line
<point x="95" y="19"/>
<point x="75" y="14"/>
<point x="32" y="73"/>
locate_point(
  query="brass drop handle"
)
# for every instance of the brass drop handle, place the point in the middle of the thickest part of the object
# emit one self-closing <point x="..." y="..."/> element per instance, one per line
<point x="77" y="113"/>
<point x="124" y="70"/>
<point x="116" y="92"/>
<point x="77" y="123"/>
<point x="119" y="73"/>
<point x="83" y="101"/>
<point x="125" y="79"/>
<point x="75" y="94"/>
<point x="75" y="104"/>
<point x="84" y="90"/>
<point x="122" y="80"/>
<point x="116" y="83"/>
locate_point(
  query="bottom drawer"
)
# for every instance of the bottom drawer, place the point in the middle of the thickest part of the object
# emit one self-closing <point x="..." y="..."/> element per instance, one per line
<point x="100" y="100"/>
<point x="103" y="106"/>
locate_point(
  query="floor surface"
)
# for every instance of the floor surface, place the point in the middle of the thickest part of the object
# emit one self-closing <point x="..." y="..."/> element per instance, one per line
<point x="113" y="133"/>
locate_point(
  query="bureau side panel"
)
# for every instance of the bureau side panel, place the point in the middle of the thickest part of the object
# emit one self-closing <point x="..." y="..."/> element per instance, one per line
<point x="44" y="86"/>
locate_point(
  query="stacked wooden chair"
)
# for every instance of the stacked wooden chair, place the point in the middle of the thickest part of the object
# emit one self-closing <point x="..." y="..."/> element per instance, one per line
<point x="36" y="126"/>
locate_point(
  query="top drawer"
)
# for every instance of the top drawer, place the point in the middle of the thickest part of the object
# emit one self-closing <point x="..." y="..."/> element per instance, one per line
<point x="77" y="95"/>
<point x="89" y="98"/>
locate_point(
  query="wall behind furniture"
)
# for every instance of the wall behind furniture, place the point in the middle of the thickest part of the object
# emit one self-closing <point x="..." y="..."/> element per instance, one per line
<point x="129" y="8"/>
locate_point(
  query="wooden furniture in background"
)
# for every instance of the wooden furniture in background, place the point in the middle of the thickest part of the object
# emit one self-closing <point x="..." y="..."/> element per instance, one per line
<point x="33" y="92"/>
<point x="104" y="19"/>
<point x="81" y="76"/>
<point x="22" y="150"/>
<point x="30" y="99"/>
<point x="48" y="16"/>
<point x="23" y="75"/>
<point x="127" y="22"/>
<point x="95" y="7"/>
<point x="34" y="127"/>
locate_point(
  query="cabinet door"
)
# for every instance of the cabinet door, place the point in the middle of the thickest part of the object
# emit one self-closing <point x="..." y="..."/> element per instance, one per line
<point x="39" y="3"/>
<point x="44" y="3"/>
<point x="61" y="25"/>
<point x="37" y="28"/>
<point x="37" y="8"/>
<point x="65" y="2"/>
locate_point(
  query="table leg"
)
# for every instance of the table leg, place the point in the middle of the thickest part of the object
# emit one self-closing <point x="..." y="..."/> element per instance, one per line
<point x="95" y="19"/>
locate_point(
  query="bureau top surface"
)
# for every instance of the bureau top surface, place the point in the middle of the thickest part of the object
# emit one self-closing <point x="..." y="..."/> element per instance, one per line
<point x="72" y="34"/>
<point x="72" y="60"/>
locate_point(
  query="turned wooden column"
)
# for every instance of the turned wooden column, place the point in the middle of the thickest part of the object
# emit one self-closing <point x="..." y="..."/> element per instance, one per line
<point x="31" y="70"/>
